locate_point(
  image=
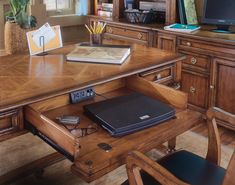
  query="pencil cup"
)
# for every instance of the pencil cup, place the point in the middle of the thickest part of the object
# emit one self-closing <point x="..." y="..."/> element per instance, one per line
<point x="96" y="39"/>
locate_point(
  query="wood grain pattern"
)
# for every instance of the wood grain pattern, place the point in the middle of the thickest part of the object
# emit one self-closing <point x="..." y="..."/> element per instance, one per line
<point x="196" y="85"/>
<point x="166" y="42"/>
<point x="102" y="162"/>
<point x="168" y="95"/>
<point x="11" y="122"/>
<point x="29" y="79"/>
<point x="136" y="161"/>
<point x="222" y="81"/>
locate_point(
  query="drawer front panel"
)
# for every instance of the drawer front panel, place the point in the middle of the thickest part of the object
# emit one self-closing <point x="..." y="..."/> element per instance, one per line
<point x="197" y="88"/>
<point x="10" y="121"/>
<point x="202" y="63"/>
<point x="143" y="36"/>
<point x="159" y="75"/>
<point x="205" y="46"/>
<point x="166" y="42"/>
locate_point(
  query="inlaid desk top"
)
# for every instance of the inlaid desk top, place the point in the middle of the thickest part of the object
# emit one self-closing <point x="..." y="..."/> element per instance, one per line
<point x="26" y="79"/>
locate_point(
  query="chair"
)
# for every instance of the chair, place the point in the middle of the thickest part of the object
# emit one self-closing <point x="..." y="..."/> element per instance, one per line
<point x="182" y="167"/>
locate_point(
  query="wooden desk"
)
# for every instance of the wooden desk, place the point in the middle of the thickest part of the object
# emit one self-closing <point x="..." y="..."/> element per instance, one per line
<point x="38" y="88"/>
<point x="207" y="68"/>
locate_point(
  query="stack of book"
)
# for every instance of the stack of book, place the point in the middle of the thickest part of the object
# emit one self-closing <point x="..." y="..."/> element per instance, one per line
<point x="106" y="10"/>
<point x="182" y="28"/>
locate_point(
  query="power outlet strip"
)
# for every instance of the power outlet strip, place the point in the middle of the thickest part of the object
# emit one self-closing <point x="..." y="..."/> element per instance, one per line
<point x="84" y="94"/>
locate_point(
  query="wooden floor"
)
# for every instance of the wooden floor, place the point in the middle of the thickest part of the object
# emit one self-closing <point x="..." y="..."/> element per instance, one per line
<point x="61" y="170"/>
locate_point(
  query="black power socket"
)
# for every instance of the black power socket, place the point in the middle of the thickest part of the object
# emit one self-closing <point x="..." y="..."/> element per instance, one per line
<point x="84" y="94"/>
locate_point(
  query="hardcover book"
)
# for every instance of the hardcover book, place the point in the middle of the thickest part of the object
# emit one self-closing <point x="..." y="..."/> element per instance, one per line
<point x="107" y="54"/>
<point x="182" y="28"/>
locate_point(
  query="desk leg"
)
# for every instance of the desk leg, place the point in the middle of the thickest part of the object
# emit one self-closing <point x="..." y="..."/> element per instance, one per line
<point x="171" y="145"/>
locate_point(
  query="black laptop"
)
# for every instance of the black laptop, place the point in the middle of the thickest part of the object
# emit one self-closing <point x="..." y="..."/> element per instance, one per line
<point x="127" y="114"/>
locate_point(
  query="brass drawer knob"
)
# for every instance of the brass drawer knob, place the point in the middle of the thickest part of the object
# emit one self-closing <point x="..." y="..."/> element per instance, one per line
<point x="189" y="44"/>
<point x="140" y="36"/>
<point x="193" y="60"/>
<point x="192" y="89"/>
<point x="158" y="76"/>
<point x="212" y="86"/>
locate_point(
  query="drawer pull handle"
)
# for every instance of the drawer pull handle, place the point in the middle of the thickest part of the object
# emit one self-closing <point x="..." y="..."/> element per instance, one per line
<point x="189" y="44"/>
<point x="193" y="60"/>
<point x="192" y="89"/>
<point x="140" y="35"/>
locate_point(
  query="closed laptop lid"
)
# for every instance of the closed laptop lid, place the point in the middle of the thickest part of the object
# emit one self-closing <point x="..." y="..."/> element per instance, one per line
<point x="128" y="112"/>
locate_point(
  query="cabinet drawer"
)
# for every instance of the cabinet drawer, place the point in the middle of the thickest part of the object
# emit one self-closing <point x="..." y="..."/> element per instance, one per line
<point x="161" y="75"/>
<point x="91" y="161"/>
<point x="194" y="61"/>
<point x="127" y="32"/>
<point x="10" y="121"/>
<point x="196" y="85"/>
<point x="208" y="48"/>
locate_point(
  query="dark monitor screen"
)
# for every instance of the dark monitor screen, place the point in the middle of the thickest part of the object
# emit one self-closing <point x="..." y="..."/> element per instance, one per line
<point x="220" y="11"/>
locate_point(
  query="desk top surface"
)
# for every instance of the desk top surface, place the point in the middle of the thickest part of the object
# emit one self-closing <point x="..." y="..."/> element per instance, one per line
<point x="26" y="79"/>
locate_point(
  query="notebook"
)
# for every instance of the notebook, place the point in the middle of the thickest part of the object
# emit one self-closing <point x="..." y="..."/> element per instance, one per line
<point x="107" y="54"/>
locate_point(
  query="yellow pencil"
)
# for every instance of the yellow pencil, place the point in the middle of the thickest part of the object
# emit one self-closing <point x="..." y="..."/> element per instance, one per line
<point x="103" y="27"/>
<point x="99" y="27"/>
<point x="95" y="27"/>
<point x="88" y="29"/>
<point x="92" y="29"/>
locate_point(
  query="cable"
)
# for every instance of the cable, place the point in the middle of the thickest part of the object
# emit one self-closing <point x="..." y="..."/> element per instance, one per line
<point x="97" y="94"/>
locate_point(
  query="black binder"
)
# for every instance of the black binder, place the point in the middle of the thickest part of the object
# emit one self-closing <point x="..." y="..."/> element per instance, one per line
<point x="127" y="114"/>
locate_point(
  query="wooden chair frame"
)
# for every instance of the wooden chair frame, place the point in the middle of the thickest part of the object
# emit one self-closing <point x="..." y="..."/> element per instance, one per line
<point x="137" y="161"/>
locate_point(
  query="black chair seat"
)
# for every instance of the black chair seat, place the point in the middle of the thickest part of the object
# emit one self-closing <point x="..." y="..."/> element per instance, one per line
<point x="189" y="168"/>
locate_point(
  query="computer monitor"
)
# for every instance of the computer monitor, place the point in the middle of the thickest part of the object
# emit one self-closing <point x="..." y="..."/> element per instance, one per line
<point x="220" y="13"/>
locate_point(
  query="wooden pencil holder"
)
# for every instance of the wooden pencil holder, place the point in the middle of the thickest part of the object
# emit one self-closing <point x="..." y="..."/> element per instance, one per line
<point x="95" y="39"/>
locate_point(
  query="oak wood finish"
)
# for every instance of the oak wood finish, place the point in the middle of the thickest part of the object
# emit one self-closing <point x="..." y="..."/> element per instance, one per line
<point x="136" y="161"/>
<point x="92" y="162"/>
<point x="164" y="75"/>
<point x="62" y="77"/>
<point x="168" y="95"/>
<point x="44" y="82"/>
<point x="203" y="48"/>
<point x="222" y="85"/>
<point x="11" y="122"/>
<point x="196" y="85"/>
<point x="166" y="42"/>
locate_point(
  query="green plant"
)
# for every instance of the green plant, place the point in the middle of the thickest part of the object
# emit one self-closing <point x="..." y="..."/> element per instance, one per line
<point x="18" y="14"/>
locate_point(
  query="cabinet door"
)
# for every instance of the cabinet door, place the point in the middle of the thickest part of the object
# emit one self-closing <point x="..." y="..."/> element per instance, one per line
<point x="196" y="85"/>
<point x="223" y="85"/>
<point x="166" y="42"/>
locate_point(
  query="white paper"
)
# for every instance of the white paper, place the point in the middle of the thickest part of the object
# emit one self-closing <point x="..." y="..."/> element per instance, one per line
<point x="45" y="31"/>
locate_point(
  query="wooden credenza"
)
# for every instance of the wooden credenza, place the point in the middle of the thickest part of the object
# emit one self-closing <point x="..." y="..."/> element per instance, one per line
<point x="208" y="70"/>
